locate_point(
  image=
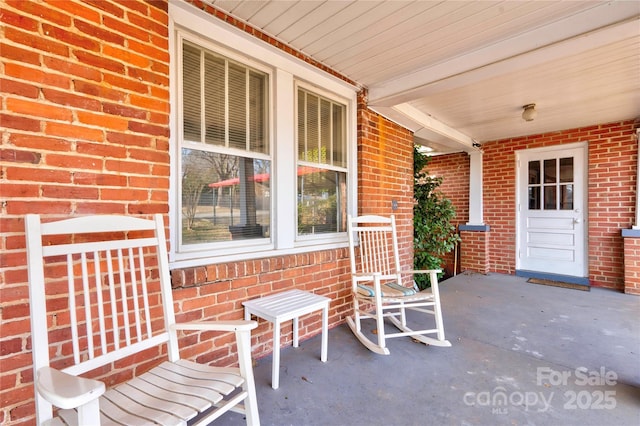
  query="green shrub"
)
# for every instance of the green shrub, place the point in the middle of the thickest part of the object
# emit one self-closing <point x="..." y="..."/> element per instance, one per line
<point x="434" y="234"/>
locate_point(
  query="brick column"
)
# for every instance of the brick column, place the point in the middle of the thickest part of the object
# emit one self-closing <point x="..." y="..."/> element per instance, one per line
<point x="474" y="248"/>
<point x="631" y="239"/>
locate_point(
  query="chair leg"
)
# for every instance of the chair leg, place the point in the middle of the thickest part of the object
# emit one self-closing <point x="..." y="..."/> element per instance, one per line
<point x="436" y="306"/>
<point x="356" y="313"/>
<point x="403" y="315"/>
<point x="243" y="339"/>
<point x="379" y="315"/>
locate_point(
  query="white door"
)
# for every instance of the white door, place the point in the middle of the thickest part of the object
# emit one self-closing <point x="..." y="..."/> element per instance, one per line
<point x="551" y="210"/>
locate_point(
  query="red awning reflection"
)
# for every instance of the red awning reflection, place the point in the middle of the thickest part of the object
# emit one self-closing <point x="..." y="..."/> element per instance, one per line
<point x="262" y="177"/>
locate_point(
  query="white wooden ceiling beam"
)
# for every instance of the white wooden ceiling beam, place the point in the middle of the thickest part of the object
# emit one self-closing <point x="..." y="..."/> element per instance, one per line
<point x="426" y="127"/>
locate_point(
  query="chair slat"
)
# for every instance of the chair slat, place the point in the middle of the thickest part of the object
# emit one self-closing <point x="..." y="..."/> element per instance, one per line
<point x="145" y="293"/>
<point x="86" y="292"/>
<point x="195" y="404"/>
<point x="211" y="396"/>
<point x="123" y="294"/>
<point x="100" y="302"/>
<point x="134" y="290"/>
<point x="73" y="317"/>
<point x="153" y="401"/>
<point x="114" y="308"/>
<point x="121" y="409"/>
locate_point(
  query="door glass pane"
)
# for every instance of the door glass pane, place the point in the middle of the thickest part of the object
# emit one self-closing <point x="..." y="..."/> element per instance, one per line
<point x="566" y="169"/>
<point x="534" y="172"/>
<point x="550" y="197"/>
<point x="550" y="171"/>
<point x="566" y="197"/>
<point x="534" y="198"/>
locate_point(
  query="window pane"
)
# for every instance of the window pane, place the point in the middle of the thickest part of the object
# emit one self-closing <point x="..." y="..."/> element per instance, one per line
<point x="322" y="198"/>
<point x="237" y="107"/>
<point x="302" y="125"/>
<point x="224" y="197"/>
<point x="566" y="197"/>
<point x="550" y="171"/>
<point x="257" y="113"/>
<point x="339" y="136"/>
<point x="566" y="169"/>
<point x="534" y="172"/>
<point x="191" y="99"/>
<point x="214" y="99"/>
<point x="550" y="197"/>
<point x="534" y="198"/>
<point x="312" y="124"/>
<point x="325" y="131"/>
<point x="321" y="130"/>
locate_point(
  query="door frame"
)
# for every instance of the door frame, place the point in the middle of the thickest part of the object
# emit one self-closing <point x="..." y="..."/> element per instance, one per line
<point x="584" y="279"/>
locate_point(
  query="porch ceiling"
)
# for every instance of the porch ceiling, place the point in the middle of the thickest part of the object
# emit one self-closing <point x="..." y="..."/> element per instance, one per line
<point x="459" y="72"/>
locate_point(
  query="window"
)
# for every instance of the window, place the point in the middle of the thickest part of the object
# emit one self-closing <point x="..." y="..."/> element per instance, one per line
<point x="263" y="147"/>
<point x="225" y="151"/>
<point x="322" y="165"/>
<point x="551" y="184"/>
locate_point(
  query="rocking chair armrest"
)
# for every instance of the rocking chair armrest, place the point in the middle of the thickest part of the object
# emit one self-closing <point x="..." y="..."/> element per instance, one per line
<point x="421" y="271"/>
<point x="232" y="325"/>
<point x="64" y="390"/>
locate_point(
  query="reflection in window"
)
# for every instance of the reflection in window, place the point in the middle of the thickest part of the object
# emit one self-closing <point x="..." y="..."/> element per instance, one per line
<point x="321" y="195"/>
<point x="224" y="197"/>
<point x="550" y="197"/>
<point x="566" y="197"/>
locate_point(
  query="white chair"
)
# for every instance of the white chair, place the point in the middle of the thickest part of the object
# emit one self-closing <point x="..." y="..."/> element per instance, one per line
<point x="382" y="290"/>
<point x="115" y="268"/>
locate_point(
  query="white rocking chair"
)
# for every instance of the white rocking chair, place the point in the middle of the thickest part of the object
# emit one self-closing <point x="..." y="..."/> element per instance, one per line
<point x="378" y="283"/>
<point x="100" y="292"/>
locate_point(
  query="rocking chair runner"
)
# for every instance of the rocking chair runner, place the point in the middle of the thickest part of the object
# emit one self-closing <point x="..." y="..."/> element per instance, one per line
<point x="106" y="296"/>
<point x="378" y="282"/>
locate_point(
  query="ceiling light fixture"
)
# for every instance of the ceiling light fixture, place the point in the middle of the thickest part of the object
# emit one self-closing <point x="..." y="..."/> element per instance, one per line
<point x="529" y="112"/>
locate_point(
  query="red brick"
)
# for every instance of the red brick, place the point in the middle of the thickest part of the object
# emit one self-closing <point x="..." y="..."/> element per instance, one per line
<point x="35" y="41"/>
<point x="19" y="88"/>
<point x="19" y="123"/>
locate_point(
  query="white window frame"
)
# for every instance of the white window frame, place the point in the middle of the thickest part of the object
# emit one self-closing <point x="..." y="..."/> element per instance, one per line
<point x="311" y="239"/>
<point x="285" y="73"/>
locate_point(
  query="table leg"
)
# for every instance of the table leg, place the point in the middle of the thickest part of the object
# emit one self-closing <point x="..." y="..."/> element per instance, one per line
<point x="325" y="337"/>
<point x="295" y="332"/>
<point x="275" y="368"/>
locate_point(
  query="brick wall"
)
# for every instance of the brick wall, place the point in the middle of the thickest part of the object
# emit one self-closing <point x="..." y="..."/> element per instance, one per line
<point x="612" y="162"/>
<point x="473" y="255"/>
<point x="385" y="174"/>
<point x="85" y="113"/>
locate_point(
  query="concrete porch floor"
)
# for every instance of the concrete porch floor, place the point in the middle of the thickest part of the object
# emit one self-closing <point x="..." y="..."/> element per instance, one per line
<point x="516" y="348"/>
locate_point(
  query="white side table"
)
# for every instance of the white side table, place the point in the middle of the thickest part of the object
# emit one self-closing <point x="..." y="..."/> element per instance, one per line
<point x="285" y="306"/>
